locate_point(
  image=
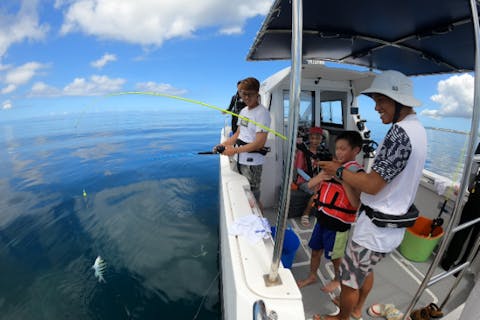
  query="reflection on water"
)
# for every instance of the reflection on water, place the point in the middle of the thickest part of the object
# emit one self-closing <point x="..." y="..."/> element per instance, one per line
<point x="150" y="210"/>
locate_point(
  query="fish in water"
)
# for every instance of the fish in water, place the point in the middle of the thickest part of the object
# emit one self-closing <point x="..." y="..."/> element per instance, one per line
<point x="202" y="252"/>
<point x="99" y="266"/>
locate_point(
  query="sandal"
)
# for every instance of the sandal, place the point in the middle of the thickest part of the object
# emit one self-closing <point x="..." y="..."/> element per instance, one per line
<point x="305" y="220"/>
<point x="434" y="311"/>
<point x="420" y="314"/>
<point x="378" y="310"/>
<point x="392" y="313"/>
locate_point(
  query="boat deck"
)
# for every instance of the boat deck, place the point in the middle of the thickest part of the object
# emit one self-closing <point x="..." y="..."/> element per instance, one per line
<point x="396" y="279"/>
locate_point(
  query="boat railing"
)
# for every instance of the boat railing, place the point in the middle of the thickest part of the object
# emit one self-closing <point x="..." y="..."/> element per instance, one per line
<point x="453" y="225"/>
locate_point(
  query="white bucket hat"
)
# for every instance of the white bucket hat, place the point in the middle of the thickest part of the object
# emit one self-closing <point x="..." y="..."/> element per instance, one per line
<point x="394" y="85"/>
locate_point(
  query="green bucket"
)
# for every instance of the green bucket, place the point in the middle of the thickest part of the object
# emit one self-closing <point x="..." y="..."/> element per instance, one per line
<point x="418" y="243"/>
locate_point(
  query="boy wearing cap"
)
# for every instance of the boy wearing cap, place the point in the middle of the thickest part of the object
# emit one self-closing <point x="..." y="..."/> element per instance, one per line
<point x="388" y="190"/>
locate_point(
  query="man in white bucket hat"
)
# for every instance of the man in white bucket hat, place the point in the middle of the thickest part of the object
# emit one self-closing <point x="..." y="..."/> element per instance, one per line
<point x="387" y="193"/>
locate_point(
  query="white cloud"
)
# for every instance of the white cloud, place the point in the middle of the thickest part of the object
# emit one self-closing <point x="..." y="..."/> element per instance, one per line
<point x="7" y="104"/>
<point x="40" y="89"/>
<point x="149" y="22"/>
<point x="13" y="77"/>
<point x="23" y="74"/>
<point x="95" y="86"/>
<point x="160" y="87"/>
<point x="100" y="63"/>
<point x="455" y="97"/>
<point x="20" y="26"/>
<point x="9" y="88"/>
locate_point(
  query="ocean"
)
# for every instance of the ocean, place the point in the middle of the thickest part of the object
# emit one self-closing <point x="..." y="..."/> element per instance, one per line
<point x="445" y="149"/>
<point x="129" y="187"/>
<point x="126" y="186"/>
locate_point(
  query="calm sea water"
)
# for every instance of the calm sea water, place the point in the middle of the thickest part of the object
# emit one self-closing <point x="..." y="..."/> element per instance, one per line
<point x="150" y="209"/>
<point x="445" y="150"/>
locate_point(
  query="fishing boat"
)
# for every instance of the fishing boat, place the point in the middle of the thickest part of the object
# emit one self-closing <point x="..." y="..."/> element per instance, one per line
<point x="417" y="38"/>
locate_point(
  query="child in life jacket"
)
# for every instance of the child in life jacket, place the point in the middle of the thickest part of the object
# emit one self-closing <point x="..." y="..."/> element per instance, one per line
<point x="335" y="207"/>
<point x="305" y="157"/>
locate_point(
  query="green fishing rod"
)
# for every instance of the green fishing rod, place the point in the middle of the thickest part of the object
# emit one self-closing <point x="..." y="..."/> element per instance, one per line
<point x="157" y="94"/>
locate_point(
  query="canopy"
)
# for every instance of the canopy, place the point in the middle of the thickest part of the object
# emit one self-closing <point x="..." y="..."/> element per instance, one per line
<point x="412" y="36"/>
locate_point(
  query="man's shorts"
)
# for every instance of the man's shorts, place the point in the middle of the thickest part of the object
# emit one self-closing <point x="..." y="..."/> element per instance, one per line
<point x="331" y="242"/>
<point x="357" y="264"/>
<point x="254" y="176"/>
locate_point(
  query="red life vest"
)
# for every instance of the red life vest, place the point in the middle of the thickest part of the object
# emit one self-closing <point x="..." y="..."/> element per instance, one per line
<point x="332" y="199"/>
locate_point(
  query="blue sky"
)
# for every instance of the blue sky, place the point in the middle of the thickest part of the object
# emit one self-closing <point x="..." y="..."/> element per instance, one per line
<point x="62" y="55"/>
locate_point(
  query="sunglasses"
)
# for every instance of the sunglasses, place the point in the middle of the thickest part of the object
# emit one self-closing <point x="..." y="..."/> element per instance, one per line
<point x="243" y="93"/>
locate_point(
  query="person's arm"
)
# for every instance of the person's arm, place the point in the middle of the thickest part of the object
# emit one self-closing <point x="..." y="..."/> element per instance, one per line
<point x="232" y="140"/>
<point x="232" y="102"/>
<point x="319" y="178"/>
<point x="386" y="166"/>
<point x="257" y="144"/>
<point x="353" y="195"/>
<point x="370" y="183"/>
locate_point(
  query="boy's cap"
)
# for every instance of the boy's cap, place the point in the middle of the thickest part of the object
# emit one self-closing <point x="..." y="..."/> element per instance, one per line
<point x="314" y="130"/>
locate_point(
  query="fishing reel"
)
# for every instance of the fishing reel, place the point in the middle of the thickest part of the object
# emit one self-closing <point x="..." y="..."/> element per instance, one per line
<point x="323" y="154"/>
<point x="369" y="147"/>
<point x="219" y="148"/>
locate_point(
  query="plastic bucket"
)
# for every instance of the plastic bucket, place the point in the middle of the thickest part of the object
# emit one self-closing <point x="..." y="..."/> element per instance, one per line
<point x="291" y="242"/>
<point x="418" y="243"/>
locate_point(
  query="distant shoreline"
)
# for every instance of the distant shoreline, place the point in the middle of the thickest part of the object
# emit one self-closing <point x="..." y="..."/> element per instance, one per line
<point x="448" y="130"/>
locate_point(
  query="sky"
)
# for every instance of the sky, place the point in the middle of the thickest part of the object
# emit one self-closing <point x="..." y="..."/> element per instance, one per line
<point x="63" y="55"/>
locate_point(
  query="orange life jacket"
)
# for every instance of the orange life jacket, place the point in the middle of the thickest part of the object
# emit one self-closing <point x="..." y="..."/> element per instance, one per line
<point x="332" y="199"/>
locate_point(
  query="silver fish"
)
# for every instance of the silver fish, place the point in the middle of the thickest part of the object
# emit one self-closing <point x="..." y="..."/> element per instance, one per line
<point x="99" y="266"/>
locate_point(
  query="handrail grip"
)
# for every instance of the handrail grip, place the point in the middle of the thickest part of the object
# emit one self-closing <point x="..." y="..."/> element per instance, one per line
<point x="259" y="310"/>
<point x="466" y="225"/>
<point x="445" y="274"/>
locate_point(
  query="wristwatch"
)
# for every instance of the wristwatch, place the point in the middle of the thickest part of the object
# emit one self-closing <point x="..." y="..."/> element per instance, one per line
<point x="339" y="173"/>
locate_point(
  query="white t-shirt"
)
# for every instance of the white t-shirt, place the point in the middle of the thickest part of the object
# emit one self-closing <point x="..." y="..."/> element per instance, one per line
<point x="400" y="160"/>
<point x="248" y="131"/>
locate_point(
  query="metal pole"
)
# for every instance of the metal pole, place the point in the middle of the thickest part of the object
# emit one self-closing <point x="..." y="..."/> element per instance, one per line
<point x="472" y="142"/>
<point x="295" y="87"/>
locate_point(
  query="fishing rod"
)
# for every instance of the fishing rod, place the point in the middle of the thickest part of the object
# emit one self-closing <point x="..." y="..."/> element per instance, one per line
<point x="220" y="148"/>
<point x="199" y="103"/>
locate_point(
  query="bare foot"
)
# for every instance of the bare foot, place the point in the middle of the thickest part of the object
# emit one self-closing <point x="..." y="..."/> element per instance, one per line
<point x="331" y="286"/>
<point x="357" y="314"/>
<point x="306" y="282"/>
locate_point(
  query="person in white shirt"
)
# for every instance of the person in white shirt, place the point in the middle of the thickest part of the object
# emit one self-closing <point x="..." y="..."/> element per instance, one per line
<point x="387" y="190"/>
<point x="250" y="136"/>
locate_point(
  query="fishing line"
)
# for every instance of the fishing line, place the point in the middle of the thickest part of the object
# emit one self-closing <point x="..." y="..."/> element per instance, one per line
<point x="157" y="94"/>
<point x="205" y="296"/>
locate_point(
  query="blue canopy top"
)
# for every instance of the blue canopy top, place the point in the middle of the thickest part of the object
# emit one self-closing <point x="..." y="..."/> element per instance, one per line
<point x="412" y="36"/>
